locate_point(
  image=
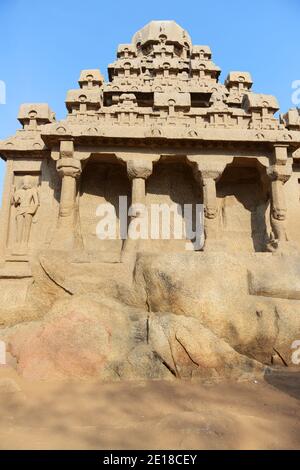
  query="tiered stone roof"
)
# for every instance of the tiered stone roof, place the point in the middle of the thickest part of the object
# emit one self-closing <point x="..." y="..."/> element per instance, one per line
<point x="160" y="86"/>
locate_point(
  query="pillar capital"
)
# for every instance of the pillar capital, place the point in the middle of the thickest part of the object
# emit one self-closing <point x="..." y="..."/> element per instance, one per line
<point x="68" y="167"/>
<point x="279" y="172"/>
<point x="139" y="169"/>
<point x="210" y="174"/>
<point x="209" y="166"/>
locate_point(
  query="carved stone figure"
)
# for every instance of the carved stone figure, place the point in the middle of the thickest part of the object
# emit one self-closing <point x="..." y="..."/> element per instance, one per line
<point x="26" y="201"/>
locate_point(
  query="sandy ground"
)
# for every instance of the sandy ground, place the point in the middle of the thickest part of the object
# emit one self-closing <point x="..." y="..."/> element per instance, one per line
<point x="150" y="415"/>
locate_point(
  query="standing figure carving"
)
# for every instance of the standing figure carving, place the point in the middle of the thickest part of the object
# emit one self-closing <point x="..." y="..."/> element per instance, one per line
<point x="26" y="201"/>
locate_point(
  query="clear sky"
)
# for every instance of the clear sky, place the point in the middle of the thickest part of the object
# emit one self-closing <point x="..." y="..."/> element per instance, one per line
<point x="45" y="44"/>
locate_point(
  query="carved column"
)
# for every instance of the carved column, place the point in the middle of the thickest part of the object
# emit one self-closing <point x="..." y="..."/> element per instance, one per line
<point x="69" y="170"/>
<point x="138" y="171"/>
<point x="278" y="173"/>
<point x="210" y="206"/>
<point x="207" y="170"/>
<point x="67" y="234"/>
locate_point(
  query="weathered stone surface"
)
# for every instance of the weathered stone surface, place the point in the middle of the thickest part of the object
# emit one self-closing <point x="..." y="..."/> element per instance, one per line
<point x="277" y="277"/>
<point x="87" y="337"/>
<point x="86" y="294"/>
<point x="250" y="324"/>
<point x="8" y="386"/>
<point x="288" y="330"/>
<point x="191" y="351"/>
<point x="78" y="338"/>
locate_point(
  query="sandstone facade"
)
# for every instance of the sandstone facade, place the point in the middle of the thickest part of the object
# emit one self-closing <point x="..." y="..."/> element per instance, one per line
<point x="162" y="130"/>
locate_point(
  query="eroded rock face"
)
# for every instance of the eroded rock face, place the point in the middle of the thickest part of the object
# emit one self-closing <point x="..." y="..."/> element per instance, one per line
<point x="216" y="290"/>
<point x="80" y="337"/>
<point x="171" y="322"/>
<point x="86" y="337"/>
<point x="192" y="351"/>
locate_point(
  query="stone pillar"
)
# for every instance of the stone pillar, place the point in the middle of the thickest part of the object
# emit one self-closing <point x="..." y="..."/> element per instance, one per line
<point x="138" y="171"/>
<point x="207" y="170"/>
<point x="278" y="173"/>
<point x="210" y="207"/>
<point x="69" y="169"/>
<point x="138" y="190"/>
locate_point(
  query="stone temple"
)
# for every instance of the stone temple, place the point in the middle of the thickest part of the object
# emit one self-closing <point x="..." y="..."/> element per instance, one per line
<point x="162" y="131"/>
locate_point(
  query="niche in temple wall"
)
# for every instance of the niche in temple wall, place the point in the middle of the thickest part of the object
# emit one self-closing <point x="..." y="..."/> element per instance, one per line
<point x="101" y="183"/>
<point x="34" y="201"/>
<point x="172" y="184"/>
<point x="242" y="208"/>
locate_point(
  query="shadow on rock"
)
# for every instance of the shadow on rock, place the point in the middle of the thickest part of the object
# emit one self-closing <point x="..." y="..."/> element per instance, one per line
<point x="286" y="381"/>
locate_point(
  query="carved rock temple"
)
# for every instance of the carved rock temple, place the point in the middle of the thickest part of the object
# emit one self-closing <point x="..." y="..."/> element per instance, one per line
<point x="162" y="130"/>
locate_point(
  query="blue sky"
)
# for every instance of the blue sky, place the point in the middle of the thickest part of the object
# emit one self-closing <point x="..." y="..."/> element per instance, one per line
<point x="45" y="44"/>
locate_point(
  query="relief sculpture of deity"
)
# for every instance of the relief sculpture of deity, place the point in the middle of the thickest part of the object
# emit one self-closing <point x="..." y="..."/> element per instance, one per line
<point x="26" y="201"/>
